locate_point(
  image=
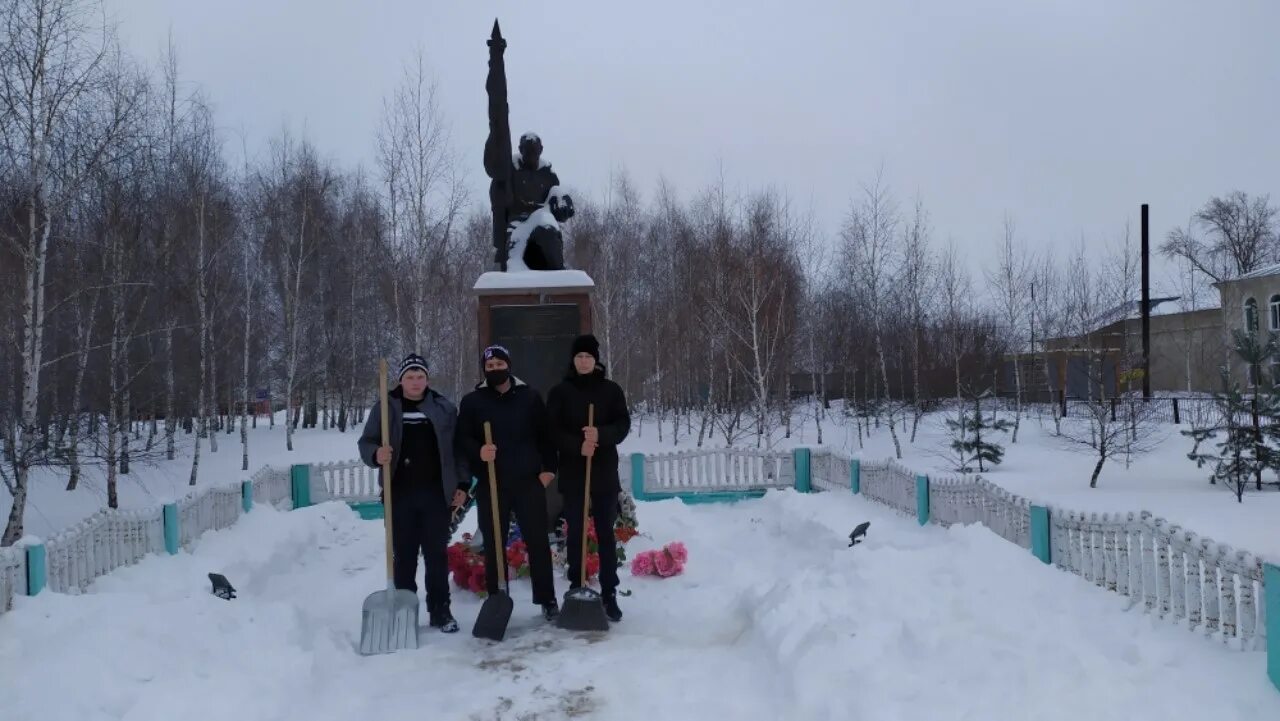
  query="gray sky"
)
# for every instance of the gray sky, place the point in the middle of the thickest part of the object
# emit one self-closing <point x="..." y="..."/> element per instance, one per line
<point x="1067" y="115"/>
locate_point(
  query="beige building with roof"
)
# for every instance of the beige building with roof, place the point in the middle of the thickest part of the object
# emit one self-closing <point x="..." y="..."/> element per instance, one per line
<point x="1187" y="347"/>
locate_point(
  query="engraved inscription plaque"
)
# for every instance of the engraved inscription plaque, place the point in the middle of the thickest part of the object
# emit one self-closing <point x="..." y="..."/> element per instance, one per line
<point x="539" y="338"/>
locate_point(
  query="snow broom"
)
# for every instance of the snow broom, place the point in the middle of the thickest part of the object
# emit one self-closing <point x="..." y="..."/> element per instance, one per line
<point x="583" y="607"/>
<point x="390" y="617"/>
<point x="495" y="612"/>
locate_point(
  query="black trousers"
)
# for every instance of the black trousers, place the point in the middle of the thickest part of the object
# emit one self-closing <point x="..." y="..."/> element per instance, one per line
<point x="529" y="502"/>
<point x="604" y="511"/>
<point x="420" y="524"/>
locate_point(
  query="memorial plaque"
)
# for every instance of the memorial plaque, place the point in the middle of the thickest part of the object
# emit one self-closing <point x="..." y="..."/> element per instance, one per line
<point x="539" y="338"/>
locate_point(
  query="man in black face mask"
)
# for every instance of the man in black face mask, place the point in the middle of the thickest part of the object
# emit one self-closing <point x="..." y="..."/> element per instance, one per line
<point x="524" y="457"/>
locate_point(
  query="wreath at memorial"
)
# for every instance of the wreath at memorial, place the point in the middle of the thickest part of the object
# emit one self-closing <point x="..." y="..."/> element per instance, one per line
<point x="466" y="560"/>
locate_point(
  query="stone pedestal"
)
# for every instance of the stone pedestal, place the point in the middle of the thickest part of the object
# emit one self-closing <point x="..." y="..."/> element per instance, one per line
<point x="535" y="315"/>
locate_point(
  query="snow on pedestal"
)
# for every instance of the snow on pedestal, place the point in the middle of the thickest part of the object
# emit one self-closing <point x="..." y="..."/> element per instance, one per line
<point x="562" y="280"/>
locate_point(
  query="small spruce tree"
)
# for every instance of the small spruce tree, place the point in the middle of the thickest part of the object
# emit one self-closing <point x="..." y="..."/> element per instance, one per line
<point x="972" y="436"/>
<point x="1244" y="452"/>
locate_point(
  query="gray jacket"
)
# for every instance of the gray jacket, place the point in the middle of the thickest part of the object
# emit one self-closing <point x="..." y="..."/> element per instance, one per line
<point x="444" y="419"/>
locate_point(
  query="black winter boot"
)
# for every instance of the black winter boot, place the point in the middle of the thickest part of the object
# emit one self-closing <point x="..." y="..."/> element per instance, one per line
<point x="442" y="618"/>
<point x="611" y="606"/>
<point x="550" y="611"/>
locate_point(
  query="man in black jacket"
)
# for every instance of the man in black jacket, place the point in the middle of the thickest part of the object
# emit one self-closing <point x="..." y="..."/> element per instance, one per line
<point x="524" y="459"/>
<point x="576" y="440"/>
<point x="428" y="478"/>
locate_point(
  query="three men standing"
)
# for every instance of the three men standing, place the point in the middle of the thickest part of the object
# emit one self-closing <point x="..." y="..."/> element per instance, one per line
<point x="435" y="450"/>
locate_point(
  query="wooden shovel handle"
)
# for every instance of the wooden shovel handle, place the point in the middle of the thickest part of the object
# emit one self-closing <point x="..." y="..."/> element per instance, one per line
<point x="499" y="551"/>
<point x="586" y="502"/>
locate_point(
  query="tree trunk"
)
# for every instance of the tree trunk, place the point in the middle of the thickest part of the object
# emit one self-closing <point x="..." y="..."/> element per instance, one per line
<point x="213" y="378"/>
<point x="33" y="316"/>
<point x="84" y="334"/>
<point x="203" y="317"/>
<point x="884" y="374"/>
<point x="1097" y="468"/>
<point x="244" y="369"/>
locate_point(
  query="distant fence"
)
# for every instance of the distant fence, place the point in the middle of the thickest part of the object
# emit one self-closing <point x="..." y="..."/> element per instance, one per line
<point x="111" y="538"/>
<point x="1165" y="570"/>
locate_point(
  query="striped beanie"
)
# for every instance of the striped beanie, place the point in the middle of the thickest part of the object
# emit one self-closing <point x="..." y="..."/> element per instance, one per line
<point x="413" y="361"/>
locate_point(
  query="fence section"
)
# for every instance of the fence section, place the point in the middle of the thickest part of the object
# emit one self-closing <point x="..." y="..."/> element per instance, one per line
<point x="110" y="538"/>
<point x="720" y="470"/>
<point x="1166" y="570"/>
<point x="347" y="480"/>
<point x="13" y="576"/>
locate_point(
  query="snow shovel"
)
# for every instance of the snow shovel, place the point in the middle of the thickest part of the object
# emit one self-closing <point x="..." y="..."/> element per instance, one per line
<point x="390" y="617"/>
<point x="583" y="607"/>
<point x="495" y="612"/>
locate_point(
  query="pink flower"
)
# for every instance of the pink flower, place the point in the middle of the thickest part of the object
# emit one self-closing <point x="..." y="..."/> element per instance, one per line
<point x="664" y="564"/>
<point x="677" y="551"/>
<point x="642" y="565"/>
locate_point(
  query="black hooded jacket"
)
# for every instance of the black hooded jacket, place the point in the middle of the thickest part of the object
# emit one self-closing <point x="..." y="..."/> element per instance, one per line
<point x="567" y="405"/>
<point x="520" y="431"/>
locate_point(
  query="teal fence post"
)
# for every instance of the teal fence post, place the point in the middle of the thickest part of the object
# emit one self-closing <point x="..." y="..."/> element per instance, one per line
<point x="246" y="495"/>
<point x="171" y="528"/>
<point x="1271" y="581"/>
<point x="922" y="499"/>
<point x="855" y="475"/>
<point x="37" y="568"/>
<point x="803" y="460"/>
<point x="637" y="476"/>
<point x="1040" y="547"/>
<point x="300" y="476"/>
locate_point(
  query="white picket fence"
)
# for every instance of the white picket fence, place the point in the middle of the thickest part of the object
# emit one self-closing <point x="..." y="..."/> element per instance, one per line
<point x="13" y="576"/>
<point x="346" y="480"/>
<point x="1170" y="572"/>
<point x="715" y="470"/>
<point x="111" y="538"/>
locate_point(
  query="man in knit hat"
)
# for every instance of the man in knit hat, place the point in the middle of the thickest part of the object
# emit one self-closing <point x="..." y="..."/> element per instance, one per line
<point x="524" y="459"/>
<point x="586" y="386"/>
<point x="429" y="481"/>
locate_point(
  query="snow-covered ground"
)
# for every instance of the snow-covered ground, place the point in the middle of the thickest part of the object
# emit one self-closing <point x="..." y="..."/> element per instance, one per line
<point x="776" y="617"/>
<point x="1039" y="466"/>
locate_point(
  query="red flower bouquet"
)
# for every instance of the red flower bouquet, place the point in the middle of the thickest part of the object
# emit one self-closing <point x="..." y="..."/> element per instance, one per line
<point x="466" y="564"/>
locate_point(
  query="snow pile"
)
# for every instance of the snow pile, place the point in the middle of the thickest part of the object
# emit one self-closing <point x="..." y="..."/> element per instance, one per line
<point x="965" y="625"/>
<point x="775" y="617"/>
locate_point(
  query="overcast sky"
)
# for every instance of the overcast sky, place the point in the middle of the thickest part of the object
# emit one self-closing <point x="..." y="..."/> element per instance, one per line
<point x="1068" y="115"/>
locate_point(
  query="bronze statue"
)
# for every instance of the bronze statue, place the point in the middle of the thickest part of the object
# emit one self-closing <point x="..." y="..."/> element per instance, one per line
<point x="526" y="201"/>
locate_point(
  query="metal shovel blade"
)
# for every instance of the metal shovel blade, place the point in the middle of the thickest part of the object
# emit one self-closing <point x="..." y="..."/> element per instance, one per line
<point x="389" y="622"/>
<point x="495" y="614"/>
<point x="583" y="611"/>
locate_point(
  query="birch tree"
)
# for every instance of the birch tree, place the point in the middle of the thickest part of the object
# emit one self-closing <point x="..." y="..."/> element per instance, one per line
<point x="917" y="282"/>
<point x="56" y="123"/>
<point x="1010" y="284"/>
<point x="870" y="236"/>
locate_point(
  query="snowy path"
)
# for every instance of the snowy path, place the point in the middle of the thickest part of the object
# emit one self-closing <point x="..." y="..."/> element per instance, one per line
<point x="916" y="623"/>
